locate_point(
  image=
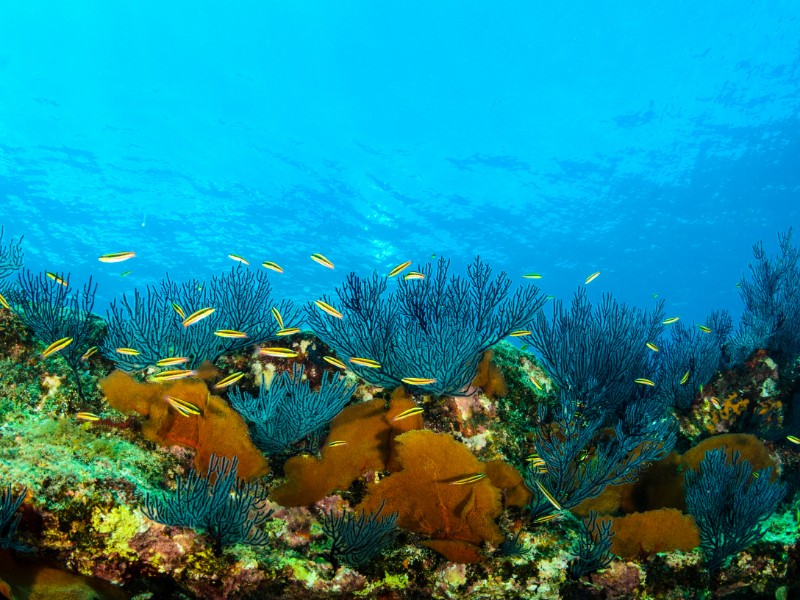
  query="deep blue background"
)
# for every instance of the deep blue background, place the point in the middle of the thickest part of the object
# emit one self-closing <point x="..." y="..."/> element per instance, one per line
<point x="652" y="144"/>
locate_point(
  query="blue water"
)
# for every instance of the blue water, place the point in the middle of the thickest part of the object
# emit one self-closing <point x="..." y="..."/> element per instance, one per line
<point x="652" y="144"/>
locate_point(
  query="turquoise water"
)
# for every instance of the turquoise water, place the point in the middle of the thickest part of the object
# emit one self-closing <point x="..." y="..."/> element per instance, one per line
<point x="653" y="144"/>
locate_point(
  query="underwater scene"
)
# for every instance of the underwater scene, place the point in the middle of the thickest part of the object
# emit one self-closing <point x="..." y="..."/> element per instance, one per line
<point x="440" y="299"/>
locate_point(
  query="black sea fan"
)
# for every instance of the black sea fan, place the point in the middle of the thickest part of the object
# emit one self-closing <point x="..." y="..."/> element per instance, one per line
<point x="359" y="539"/>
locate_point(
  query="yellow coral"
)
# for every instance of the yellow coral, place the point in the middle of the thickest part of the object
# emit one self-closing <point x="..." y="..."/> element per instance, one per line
<point x="119" y="524"/>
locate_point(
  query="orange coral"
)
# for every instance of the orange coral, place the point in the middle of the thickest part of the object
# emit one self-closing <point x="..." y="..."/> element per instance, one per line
<point x="217" y="430"/>
<point x="429" y="500"/>
<point x="489" y="377"/>
<point x="663" y="530"/>
<point x="507" y="478"/>
<point x="368" y="430"/>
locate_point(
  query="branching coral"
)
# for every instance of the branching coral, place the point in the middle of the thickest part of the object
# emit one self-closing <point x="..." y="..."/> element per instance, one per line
<point x="593" y="549"/>
<point x="355" y="540"/>
<point x="151" y="324"/>
<point x="436" y="327"/>
<point x="10" y="256"/>
<point x="9" y="520"/>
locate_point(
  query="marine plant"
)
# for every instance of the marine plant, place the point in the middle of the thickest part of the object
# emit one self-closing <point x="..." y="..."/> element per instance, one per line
<point x="598" y="353"/>
<point x="581" y="457"/>
<point x="432" y="327"/>
<point x="10" y="256"/>
<point x="152" y="324"/>
<point x="771" y="296"/>
<point x="689" y="359"/>
<point x="593" y="549"/>
<point x="53" y="313"/>
<point x="9" y="520"/>
<point x="228" y="509"/>
<point x="355" y="540"/>
<point x="729" y="500"/>
<point x="289" y="410"/>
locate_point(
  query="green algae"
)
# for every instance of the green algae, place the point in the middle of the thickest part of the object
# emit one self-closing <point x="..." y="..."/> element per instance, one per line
<point x="118" y="526"/>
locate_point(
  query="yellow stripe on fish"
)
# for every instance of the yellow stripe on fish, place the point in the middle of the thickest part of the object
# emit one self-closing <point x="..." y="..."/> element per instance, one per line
<point x="319" y="258"/>
<point x="470" y="479"/>
<point x="90" y="352"/>
<point x="230" y="333"/>
<point x="238" y="258"/>
<point x="670" y="321"/>
<point x="87" y="416"/>
<point x="277" y="314"/>
<point x="652" y="346"/>
<point x="414" y="275"/>
<point x="57" y="279"/>
<point x="4" y="302"/>
<point x="520" y="333"/>
<point x="592" y="277"/>
<point x="334" y="361"/>
<point x="116" y="257"/>
<point x="177" y="308"/>
<point x="336" y="443"/>
<point x="172" y="361"/>
<point x="229" y="380"/>
<point x="399" y="268"/>
<point x="268" y="264"/>
<point x="171" y="375"/>
<point x="685" y="377"/>
<point x="704" y="329"/>
<point x="644" y="381"/>
<point x="56" y="346"/>
<point x="198" y="315"/>
<point x="187" y="409"/>
<point x="127" y="351"/>
<point x="418" y="380"/>
<point x="532" y="276"/>
<point x="416" y="410"/>
<point x="278" y="352"/>
<point x="550" y="498"/>
<point x="325" y="307"/>
<point x="365" y="362"/>
<point x="287" y="331"/>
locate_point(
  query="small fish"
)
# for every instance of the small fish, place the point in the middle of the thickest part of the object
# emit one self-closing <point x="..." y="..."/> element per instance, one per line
<point x="523" y="347"/>
<point x="652" y="346"/>
<point x="238" y="258"/>
<point x="277" y="314"/>
<point x="4" y="302"/>
<point x="127" y="351"/>
<point x="418" y="380"/>
<point x="685" y="378"/>
<point x="592" y="277"/>
<point x="230" y="333"/>
<point x="582" y="455"/>
<point x="550" y="498"/>
<point x="532" y="276"/>
<point x="793" y="438"/>
<point x="470" y="479"/>
<point x="334" y="361"/>
<point x="187" y="409"/>
<point x="125" y="273"/>
<point x="520" y="333"/>
<point x="171" y="375"/>
<point x="172" y="361"/>
<point x="399" y="268"/>
<point x="229" y="380"/>
<point x="546" y="518"/>
<point x="57" y="279"/>
<point x="409" y="413"/>
<point x="670" y="321"/>
<point x="116" y="257"/>
<point x="56" y="346"/>
<point x="335" y="443"/>
<point x="643" y="381"/>
<point x="549" y="297"/>
<point x="536" y="384"/>
<point x="177" y="308"/>
<point x="288" y="331"/>
<point x="755" y="474"/>
<point x="87" y="416"/>
<point x="278" y="352"/>
<point x="414" y="275"/>
<point x="701" y="388"/>
<point x="704" y="329"/>
<point x="197" y="315"/>
<point x="325" y="307"/>
<point x="715" y="403"/>
<point x="89" y="353"/>
<point x="365" y="362"/>
<point x="268" y="264"/>
<point x="319" y="258"/>
<point x="533" y="456"/>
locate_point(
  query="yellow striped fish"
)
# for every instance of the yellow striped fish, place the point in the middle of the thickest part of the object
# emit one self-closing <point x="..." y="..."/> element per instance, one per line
<point x="643" y="381"/>
<point x="57" y="279"/>
<point x="56" y="346"/>
<point x="532" y="276"/>
<point x="177" y="308"/>
<point x="793" y="438"/>
<point x="90" y="352"/>
<point x="550" y="498"/>
<point x="520" y="333"/>
<point x="238" y="258"/>
<point x="409" y="413"/>
<point x="187" y="409"/>
<point x="334" y="361"/>
<point x="127" y="351"/>
<point x="172" y="361"/>
<point x="87" y="416"/>
<point x="537" y="384"/>
<point x="652" y="346"/>
<point x="325" y="307"/>
<point x="470" y="479"/>
<point x="365" y="362"/>
<point x="230" y="333"/>
<point x="418" y="380"/>
<point x="268" y="264"/>
<point x="197" y="315"/>
<point x="171" y="375"/>
<point x="704" y="329"/>
<point x="546" y="518"/>
<point x="4" y="302"/>
<point x="335" y="443"/>
<point x="319" y="258"/>
<point x="670" y="321"/>
<point x="288" y="331"/>
<point x="278" y="352"/>
<point x="414" y="275"/>
<point x="116" y="257"/>
<point x="277" y="314"/>
<point x="229" y="380"/>
<point x="685" y="377"/>
<point x="592" y="277"/>
<point x="399" y="268"/>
